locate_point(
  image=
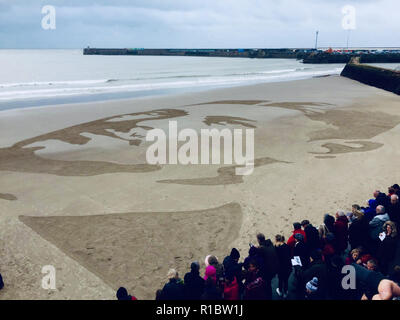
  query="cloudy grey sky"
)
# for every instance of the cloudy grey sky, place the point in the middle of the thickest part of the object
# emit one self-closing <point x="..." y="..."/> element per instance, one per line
<point x="197" y="23"/>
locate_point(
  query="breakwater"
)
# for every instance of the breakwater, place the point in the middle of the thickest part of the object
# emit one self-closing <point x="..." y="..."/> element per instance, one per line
<point x="307" y="55"/>
<point x="232" y="53"/>
<point x="385" y="79"/>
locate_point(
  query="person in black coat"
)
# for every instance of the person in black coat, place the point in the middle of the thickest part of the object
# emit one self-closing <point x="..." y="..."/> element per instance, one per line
<point x="211" y="291"/>
<point x="271" y="262"/>
<point x="267" y="251"/>
<point x="393" y="209"/>
<point x="301" y="250"/>
<point x="254" y="254"/>
<point x="193" y="283"/>
<point x="335" y="277"/>
<point x="233" y="267"/>
<point x="283" y="252"/>
<point x="381" y="199"/>
<point x="396" y="189"/>
<point x="387" y="247"/>
<point x="358" y="231"/>
<point x="312" y="235"/>
<point x="173" y="290"/>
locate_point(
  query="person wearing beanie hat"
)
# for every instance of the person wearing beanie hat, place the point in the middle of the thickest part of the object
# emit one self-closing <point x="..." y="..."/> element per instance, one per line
<point x="317" y="269"/>
<point x="299" y="237"/>
<point x="311" y="287"/>
<point x="193" y="282"/>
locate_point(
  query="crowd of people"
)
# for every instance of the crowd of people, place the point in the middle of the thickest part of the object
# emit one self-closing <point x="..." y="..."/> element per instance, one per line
<point x="309" y="265"/>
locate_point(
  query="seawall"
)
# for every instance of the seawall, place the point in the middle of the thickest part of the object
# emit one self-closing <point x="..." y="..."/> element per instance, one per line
<point x="377" y="77"/>
<point x="324" y="57"/>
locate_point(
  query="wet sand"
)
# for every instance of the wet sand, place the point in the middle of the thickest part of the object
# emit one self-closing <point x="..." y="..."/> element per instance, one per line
<point x="77" y="193"/>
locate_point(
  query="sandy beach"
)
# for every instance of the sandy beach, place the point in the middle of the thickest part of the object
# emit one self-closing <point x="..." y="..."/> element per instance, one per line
<point x="76" y="191"/>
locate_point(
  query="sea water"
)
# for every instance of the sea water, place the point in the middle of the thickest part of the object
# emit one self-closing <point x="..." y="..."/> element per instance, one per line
<point x="43" y="77"/>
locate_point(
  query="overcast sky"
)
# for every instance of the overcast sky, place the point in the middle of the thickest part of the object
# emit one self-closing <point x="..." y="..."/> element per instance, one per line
<point x="197" y="23"/>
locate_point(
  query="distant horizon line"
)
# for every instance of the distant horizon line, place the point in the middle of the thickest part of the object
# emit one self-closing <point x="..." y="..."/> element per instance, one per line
<point x="205" y="48"/>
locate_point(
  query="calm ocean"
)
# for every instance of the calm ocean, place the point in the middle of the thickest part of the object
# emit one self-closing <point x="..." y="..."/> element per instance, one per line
<point x="42" y="77"/>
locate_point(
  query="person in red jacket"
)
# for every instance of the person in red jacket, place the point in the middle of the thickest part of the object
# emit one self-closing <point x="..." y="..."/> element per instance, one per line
<point x="341" y="231"/>
<point x="297" y="229"/>
<point x="231" y="288"/>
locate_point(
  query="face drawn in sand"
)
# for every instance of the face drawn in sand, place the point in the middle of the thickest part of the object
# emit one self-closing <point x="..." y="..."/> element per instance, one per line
<point x="135" y="250"/>
<point x="226" y="175"/>
<point x="22" y="158"/>
<point x="223" y="120"/>
<point x="8" y="196"/>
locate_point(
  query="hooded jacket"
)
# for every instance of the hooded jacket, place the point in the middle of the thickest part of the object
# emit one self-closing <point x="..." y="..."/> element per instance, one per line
<point x="233" y="267"/>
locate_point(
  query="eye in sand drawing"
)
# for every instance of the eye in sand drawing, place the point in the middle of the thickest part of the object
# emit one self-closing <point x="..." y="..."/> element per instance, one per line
<point x="223" y="120"/>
